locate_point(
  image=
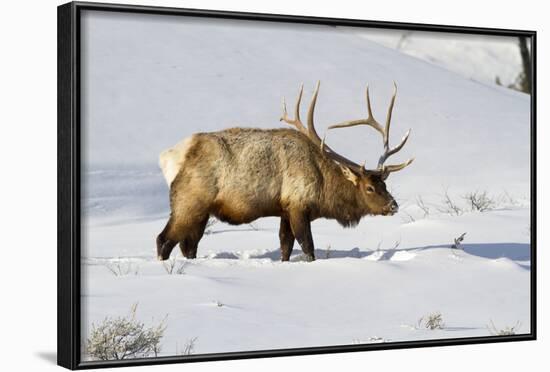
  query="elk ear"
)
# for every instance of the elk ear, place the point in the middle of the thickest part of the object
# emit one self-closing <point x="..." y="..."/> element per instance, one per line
<point x="350" y="176"/>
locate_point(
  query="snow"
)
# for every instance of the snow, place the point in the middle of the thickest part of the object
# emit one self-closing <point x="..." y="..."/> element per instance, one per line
<point x="369" y="284"/>
<point x="479" y="57"/>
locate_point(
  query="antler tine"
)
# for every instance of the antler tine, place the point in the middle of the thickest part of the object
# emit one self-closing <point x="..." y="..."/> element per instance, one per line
<point x="389" y="152"/>
<point x="387" y="169"/>
<point x="386" y="133"/>
<point x="370" y="121"/>
<point x="297" y="122"/>
<point x="312" y="134"/>
<point x="297" y="106"/>
<point x="310" y="124"/>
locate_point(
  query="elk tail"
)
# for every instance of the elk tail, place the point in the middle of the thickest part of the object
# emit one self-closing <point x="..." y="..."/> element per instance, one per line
<point x="172" y="159"/>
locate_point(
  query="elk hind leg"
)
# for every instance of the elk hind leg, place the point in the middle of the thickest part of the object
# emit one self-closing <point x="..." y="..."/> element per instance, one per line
<point x="165" y="241"/>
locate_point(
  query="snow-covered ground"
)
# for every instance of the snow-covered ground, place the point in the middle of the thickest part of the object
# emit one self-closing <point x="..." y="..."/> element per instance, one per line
<point x="369" y="284"/>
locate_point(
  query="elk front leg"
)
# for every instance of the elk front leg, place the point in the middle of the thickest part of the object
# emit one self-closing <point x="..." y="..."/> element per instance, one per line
<point x="286" y="237"/>
<point x="301" y="228"/>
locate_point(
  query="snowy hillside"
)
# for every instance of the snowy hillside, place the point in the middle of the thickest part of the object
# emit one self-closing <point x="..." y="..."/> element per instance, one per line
<point x="479" y="57"/>
<point x="369" y="284"/>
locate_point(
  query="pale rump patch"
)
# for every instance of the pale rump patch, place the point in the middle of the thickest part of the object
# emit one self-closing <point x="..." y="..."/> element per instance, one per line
<point x="171" y="160"/>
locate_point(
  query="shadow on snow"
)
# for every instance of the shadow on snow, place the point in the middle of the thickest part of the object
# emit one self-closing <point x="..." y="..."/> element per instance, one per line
<point x="512" y="251"/>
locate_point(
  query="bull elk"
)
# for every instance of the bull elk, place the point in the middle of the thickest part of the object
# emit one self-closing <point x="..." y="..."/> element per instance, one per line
<point x="241" y="174"/>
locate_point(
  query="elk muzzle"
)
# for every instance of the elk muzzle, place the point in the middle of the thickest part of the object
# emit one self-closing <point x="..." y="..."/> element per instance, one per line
<point x="392" y="208"/>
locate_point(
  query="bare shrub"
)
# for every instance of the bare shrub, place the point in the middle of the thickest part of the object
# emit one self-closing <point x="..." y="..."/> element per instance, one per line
<point x="506" y="331"/>
<point x="188" y="347"/>
<point x="121" y="268"/>
<point x="327" y="253"/>
<point x="431" y="321"/>
<point x="402" y="39"/>
<point x="420" y="203"/>
<point x="508" y="199"/>
<point x="449" y="205"/>
<point x="479" y="201"/>
<point x="370" y="340"/>
<point x="408" y="218"/>
<point x="124" y="338"/>
<point x="458" y="241"/>
<point x="395" y="245"/>
<point x="211" y="222"/>
<point x="173" y="266"/>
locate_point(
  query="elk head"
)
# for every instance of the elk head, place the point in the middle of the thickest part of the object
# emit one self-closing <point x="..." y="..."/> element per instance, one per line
<point x="370" y="183"/>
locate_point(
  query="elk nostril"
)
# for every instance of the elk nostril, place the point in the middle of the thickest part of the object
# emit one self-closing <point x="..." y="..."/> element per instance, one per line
<point x="394" y="207"/>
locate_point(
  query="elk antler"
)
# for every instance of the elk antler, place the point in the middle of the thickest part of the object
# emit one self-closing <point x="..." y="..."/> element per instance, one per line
<point x="310" y="131"/>
<point x="384" y="170"/>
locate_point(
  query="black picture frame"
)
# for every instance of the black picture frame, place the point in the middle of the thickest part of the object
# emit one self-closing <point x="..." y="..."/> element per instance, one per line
<point x="69" y="182"/>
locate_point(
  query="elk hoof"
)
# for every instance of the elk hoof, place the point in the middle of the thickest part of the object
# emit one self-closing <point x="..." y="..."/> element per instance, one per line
<point x="310" y="258"/>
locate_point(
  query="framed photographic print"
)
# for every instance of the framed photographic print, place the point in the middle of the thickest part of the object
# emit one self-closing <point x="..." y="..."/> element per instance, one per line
<point x="237" y="185"/>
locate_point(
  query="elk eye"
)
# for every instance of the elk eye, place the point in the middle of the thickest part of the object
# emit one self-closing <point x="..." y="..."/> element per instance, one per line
<point x="370" y="189"/>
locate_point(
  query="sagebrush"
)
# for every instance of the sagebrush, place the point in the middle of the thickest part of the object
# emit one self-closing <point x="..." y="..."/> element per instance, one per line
<point x="506" y="331"/>
<point x="432" y="321"/>
<point x="124" y="337"/>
